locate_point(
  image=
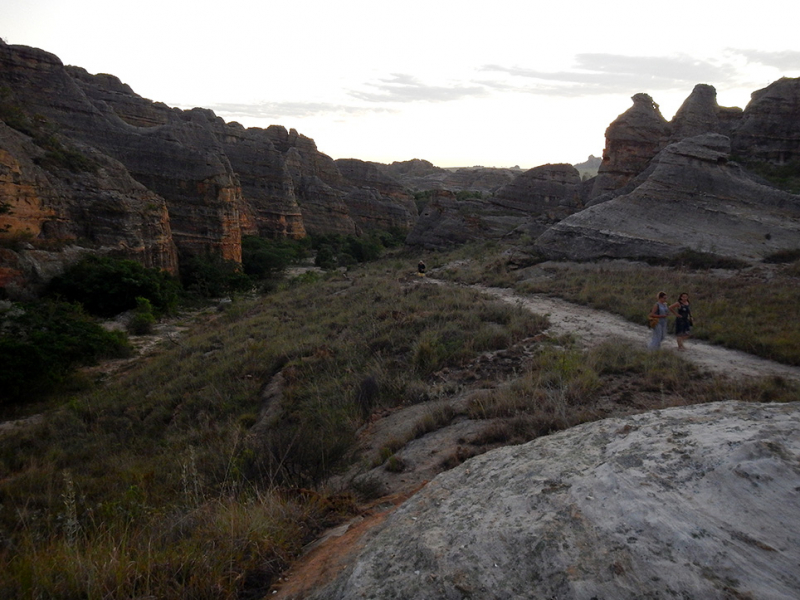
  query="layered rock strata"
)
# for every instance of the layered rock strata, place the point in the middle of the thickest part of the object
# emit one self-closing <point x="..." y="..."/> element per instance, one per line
<point x="632" y="140"/>
<point x="691" y="197"/>
<point x="211" y="181"/>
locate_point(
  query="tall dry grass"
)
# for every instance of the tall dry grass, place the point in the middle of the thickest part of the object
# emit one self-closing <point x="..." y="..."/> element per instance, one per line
<point x="178" y="487"/>
<point x="749" y="308"/>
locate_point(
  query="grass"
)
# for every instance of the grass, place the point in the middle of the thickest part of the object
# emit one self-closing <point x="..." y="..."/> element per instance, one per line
<point x="740" y="308"/>
<point x="183" y="477"/>
<point x="178" y="486"/>
<point x="565" y="386"/>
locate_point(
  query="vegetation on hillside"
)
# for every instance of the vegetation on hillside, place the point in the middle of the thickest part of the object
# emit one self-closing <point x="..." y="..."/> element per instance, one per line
<point x="200" y="472"/>
<point x="734" y="304"/>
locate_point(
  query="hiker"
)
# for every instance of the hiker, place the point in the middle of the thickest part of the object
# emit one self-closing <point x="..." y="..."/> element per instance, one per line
<point x="684" y="322"/>
<point x="660" y="311"/>
<point x="421" y="268"/>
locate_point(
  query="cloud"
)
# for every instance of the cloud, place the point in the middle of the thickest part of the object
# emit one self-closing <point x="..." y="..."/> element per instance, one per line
<point x="616" y="73"/>
<point x="279" y="110"/>
<point x="786" y="60"/>
<point x="406" y="88"/>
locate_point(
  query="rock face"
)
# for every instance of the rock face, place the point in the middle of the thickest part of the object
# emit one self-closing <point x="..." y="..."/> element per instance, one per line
<point x="696" y="502"/>
<point x="701" y="114"/>
<point x="691" y="197"/>
<point x="549" y="191"/>
<point x="376" y="200"/>
<point x="769" y="129"/>
<point x="632" y="140"/>
<point x="533" y="201"/>
<point x="420" y="175"/>
<point x="192" y="182"/>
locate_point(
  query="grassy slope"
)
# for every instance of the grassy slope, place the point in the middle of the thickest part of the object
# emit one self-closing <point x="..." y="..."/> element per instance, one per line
<point x="155" y="483"/>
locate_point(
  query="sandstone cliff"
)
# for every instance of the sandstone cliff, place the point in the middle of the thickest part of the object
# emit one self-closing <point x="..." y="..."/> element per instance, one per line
<point x="209" y="182"/>
<point x="632" y="140"/>
<point x="527" y="205"/>
<point x="696" y="502"/>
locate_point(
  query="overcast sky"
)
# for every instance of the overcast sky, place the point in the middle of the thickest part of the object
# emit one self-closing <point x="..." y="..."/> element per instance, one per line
<point x="460" y="83"/>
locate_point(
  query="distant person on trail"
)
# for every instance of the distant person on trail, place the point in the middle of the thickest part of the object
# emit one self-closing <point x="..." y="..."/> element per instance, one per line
<point x="660" y="311"/>
<point x="421" y="268"/>
<point x="684" y="322"/>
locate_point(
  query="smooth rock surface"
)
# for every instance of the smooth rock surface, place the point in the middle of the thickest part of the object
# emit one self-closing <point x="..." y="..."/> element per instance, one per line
<point x="691" y="197"/>
<point x="691" y="502"/>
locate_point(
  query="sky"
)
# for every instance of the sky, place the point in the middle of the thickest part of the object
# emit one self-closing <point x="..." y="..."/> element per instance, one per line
<point x="497" y="83"/>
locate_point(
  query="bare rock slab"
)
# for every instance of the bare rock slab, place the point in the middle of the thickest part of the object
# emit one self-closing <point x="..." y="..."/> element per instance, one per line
<point x="690" y="502"/>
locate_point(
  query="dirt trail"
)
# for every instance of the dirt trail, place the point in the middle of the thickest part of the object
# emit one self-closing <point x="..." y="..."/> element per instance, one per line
<point x="595" y="326"/>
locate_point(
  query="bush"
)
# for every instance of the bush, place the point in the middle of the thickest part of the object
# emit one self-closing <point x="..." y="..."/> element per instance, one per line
<point x="340" y="250"/>
<point x="265" y="259"/>
<point x="41" y="344"/>
<point x="783" y="256"/>
<point x="143" y="318"/>
<point x="107" y="286"/>
<point x="212" y="276"/>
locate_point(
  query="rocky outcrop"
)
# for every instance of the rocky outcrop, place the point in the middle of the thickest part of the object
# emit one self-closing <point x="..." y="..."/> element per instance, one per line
<point x="213" y="181"/>
<point x="701" y="114"/>
<point x="691" y="197"/>
<point x="101" y="208"/>
<point x="533" y="201"/>
<point x="694" y="502"/>
<point x="446" y="221"/>
<point x="550" y="191"/>
<point x="632" y="140"/>
<point x="421" y="176"/>
<point x="769" y="129"/>
<point x="376" y="200"/>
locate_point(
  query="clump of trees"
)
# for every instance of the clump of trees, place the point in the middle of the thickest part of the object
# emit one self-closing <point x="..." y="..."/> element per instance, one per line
<point x="343" y="250"/>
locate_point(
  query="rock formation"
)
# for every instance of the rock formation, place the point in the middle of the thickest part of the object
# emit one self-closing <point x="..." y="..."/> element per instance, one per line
<point x="691" y="197"/>
<point x="701" y="114"/>
<point x="377" y="201"/>
<point x="769" y="129"/>
<point x="211" y="181"/>
<point x="527" y="205"/>
<point x="444" y="221"/>
<point x="695" y="502"/>
<point x="632" y="140"/>
<point x="549" y="191"/>
<point x="420" y="175"/>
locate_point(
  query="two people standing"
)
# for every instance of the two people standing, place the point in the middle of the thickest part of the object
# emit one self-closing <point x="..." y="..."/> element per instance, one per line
<point x="659" y="314"/>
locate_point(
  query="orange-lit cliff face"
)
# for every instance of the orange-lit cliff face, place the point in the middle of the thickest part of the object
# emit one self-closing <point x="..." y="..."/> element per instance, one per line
<point x="84" y="159"/>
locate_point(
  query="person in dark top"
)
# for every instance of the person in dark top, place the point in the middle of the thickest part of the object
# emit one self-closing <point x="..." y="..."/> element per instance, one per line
<point x="421" y="268"/>
<point x="683" y="324"/>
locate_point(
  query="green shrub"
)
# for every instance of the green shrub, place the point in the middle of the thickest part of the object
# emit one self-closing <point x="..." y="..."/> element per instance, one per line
<point x="143" y="319"/>
<point x="334" y="250"/>
<point x="265" y="259"/>
<point x="41" y="343"/>
<point x="211" y="276"/>
<point x="108" y="286"/>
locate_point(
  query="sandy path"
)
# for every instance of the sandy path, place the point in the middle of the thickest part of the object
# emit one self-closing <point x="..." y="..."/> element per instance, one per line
<point x="595" y="326"/>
